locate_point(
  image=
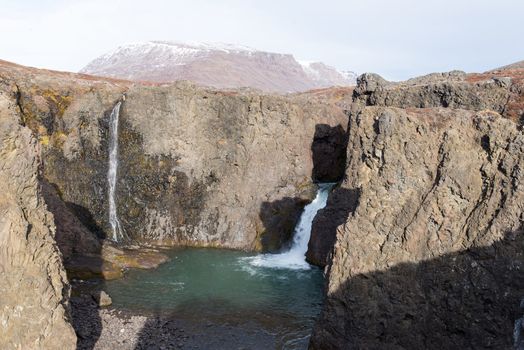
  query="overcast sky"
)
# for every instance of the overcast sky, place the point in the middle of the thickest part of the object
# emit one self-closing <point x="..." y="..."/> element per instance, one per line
<point x="395" y="38"/>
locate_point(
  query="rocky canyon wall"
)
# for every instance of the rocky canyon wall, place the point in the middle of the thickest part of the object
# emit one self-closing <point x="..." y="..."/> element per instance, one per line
<point x="428" y="221"/>
<point x="33" y="290"/>
<point x="196" y="166"/>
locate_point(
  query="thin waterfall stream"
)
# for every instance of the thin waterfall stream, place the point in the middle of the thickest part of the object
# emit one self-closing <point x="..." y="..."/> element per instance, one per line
<point x="118" y="232"/>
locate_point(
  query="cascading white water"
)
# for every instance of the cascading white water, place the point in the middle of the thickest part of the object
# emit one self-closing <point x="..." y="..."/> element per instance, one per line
<point x="118" y="233"/>
<point x="295" y="258"/>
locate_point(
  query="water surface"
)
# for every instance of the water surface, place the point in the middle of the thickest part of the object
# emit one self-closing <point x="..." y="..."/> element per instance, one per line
<point x="268" y="307"/>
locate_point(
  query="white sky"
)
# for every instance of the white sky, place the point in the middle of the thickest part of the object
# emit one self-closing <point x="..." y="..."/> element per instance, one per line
<point x="395" y="38"/>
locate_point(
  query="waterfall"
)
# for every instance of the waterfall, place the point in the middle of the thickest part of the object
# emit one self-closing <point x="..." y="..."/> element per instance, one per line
<point x="118" y="233"/>
<point x="294" y="258"/>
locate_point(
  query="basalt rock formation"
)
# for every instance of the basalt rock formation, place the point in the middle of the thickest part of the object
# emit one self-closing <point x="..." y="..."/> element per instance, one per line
<point x="34" y="309"/>
<point x="428" y="221"/>
<point x="195" y="166"/>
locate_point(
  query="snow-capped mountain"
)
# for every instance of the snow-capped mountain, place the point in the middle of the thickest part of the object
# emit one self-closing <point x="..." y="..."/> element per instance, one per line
<point x="217" y="65"/>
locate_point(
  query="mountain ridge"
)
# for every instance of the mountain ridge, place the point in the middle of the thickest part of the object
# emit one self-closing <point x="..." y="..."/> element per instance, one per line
<point x="515" y="65"/>
<point x="218" y="65"/>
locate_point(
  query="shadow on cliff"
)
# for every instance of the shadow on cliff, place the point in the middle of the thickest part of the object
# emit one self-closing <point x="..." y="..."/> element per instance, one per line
<point x="340" y="204"/>
<point x="464" y="300"/>
<point x="87" y="219"/>
<point x="329" y="152"/>
<point x="279" y="218"/>
<point x="76" y="238"/>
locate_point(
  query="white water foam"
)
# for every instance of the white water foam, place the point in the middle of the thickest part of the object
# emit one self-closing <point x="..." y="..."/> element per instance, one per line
<point x="295" y="257"/>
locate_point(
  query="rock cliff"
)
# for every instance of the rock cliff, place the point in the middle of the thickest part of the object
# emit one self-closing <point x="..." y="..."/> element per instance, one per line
<point x="196" y="166"/>
<point x="428" y="221"/>
<point x="34" y="310"/>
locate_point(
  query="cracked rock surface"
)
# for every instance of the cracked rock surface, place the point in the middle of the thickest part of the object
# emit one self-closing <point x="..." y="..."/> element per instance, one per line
<point x="431" y="255"/>
<point x="34" y="293"/>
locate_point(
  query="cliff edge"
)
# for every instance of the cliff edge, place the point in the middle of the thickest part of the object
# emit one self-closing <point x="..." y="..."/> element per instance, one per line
<point x="428" y="222"/>
<point x="34" y="310"/>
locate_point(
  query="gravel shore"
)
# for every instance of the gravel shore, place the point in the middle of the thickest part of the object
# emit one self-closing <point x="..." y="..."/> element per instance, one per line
<point x="110" y="328"/>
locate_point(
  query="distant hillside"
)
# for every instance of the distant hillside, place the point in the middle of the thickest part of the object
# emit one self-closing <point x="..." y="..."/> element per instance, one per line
<point x="516" y="65"/>
<point x="216" y="65"/>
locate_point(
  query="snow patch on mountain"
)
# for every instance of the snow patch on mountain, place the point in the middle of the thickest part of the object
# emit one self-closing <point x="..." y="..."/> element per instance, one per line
<point x="219" y="65"/>
<point x="308" y="69"/>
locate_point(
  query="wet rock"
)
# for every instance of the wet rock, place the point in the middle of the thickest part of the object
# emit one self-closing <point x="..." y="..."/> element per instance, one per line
<point x="341" y="203"/>
<point x="92" y="266"/>
<point x="279" y="219"/>
<point x="112" y="261"/>
<point x="133" y="257"/>
<point x="102" y="298"/>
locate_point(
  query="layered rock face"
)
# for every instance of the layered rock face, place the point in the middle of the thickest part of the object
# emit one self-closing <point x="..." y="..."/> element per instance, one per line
<point x="33" y="288"/>
<point x="429" y="218"/>
<point x="196" y="166"/>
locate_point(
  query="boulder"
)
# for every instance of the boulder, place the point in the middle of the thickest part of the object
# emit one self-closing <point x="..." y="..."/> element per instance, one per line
<point x="102" y="298"/>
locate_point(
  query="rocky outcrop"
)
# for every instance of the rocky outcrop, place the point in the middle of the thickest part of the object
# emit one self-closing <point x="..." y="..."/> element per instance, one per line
<point x="450" y="90"/>
<point x="33" y="289"/>
<point x="431" y="255"/>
